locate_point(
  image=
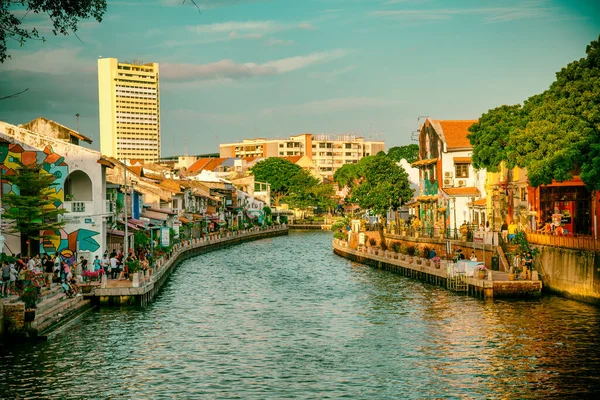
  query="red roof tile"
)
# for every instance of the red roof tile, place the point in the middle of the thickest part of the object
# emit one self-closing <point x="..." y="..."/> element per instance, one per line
<point x="214" y="163"/>
<point x="199" y="165"/>
<point x="455" y="132"/>
<point x="293" y="159"/>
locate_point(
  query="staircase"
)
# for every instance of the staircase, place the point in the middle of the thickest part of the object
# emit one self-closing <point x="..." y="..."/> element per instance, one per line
<point x="55" y="310"/>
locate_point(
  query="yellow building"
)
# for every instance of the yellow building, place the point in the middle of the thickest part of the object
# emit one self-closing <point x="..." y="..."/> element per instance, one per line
<point x="129" y="100"/>
<point x="328" y="152"/>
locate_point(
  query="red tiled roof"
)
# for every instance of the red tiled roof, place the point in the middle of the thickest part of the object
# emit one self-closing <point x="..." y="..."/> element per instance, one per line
<point x="464" y="160"/>
<point x="199" y="164"/>
<point x="214" y="163"/>
<point x="455" y="132"/>
<point x="462" y="191"/>
<point x="293" y="159"/>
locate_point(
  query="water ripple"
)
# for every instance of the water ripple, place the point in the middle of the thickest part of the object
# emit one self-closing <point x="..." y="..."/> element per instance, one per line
<point x="285" y="318"/>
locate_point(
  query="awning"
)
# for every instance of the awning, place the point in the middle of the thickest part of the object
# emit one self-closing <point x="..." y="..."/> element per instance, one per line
<point x="462" y="160"/>
<point x="116" y="232"/>
<point x="424" y="162"/>
<point x="184" y="220"/>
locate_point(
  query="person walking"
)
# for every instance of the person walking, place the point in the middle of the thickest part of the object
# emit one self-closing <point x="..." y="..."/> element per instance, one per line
<point x="5" y="278"/>
<point x="48" y="270"/>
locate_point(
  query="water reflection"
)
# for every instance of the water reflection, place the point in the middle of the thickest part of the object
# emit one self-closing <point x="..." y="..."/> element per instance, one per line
<point x="285" y="318"/>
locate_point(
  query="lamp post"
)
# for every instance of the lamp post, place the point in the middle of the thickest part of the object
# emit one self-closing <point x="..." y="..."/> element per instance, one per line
<point x="454" y="203"/>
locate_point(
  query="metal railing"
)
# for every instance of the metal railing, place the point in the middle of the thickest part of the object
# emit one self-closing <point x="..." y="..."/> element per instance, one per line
<point x="579" y="242"/>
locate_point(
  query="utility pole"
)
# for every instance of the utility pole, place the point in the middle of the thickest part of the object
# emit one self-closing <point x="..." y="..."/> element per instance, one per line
<point x="125" y="241"/>
<point x="77" y="123"/>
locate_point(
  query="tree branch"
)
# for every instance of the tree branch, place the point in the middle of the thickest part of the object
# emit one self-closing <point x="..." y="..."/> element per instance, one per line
<point x="12" y="96"/>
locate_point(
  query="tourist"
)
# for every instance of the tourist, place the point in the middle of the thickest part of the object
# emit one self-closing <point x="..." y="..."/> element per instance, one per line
<point x="14" y="274"/>
<point x="97" y="265"/>
<point x="504" y="230"/>
<point x="83" y="264"/>
<point x="48" y="270"/>
<point x="559" y="230"/>
<point x="105" y="261"/>
<point x="528" y="265"/>
<point x="487" y="226"/>
<point x="114" y="265"/>
<point x="473" y="256"/>
<point x="56" y="270"/>
<point x="5" y="278"/>
<point x="512" y="231"/>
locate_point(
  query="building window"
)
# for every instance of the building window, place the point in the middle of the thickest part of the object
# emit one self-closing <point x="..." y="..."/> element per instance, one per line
<point x="462" y="170"/>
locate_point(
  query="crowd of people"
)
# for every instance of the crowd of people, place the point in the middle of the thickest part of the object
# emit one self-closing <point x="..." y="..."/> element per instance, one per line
<point x="55" y="269"/>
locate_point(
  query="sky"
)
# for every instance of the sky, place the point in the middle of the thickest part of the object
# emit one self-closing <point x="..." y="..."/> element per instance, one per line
<point x="236" y="69"/>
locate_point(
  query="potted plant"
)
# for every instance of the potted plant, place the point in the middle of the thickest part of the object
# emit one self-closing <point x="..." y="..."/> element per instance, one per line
<point x="511" y="274"/>
<point x="481" y="271"/>
<point x="133" y="267"/>
<point x="436" y="262"/>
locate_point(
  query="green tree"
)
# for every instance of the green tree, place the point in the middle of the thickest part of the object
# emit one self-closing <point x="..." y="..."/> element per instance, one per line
<point x="280" y="174"/>
<point x="347" y="175"/>
<point x="383" y="185"/>
<point x="491" y="135"/>
<point x="555" y="135"/>
<point x="31" y="208"/>
<point x="409" y="152"/>
<point x="65" y="16"/>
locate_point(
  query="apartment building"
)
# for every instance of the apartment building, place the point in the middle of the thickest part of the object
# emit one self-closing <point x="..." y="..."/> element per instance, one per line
<point x="129" y="101"/>
<point x="328" y="152"/>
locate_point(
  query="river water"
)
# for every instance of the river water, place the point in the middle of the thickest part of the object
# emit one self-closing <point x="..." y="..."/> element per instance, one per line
<point x="286" y="318"/>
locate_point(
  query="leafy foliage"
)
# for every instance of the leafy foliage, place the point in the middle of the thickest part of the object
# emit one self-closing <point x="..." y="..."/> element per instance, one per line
<point x="32" y="210"/>
<point x="65" y="16"/>
<point x="555" y="135"/>
<point x="409" y="152"/>
<point x="347" y="175"/>
<point x="279" y="173"/>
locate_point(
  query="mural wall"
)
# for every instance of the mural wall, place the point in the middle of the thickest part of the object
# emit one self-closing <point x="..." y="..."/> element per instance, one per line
<point x="63" y="242"/>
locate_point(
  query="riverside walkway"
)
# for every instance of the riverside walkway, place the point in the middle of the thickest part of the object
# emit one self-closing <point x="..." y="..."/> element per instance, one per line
<point x="145" y="285"/>
<point x="494" y="285"/>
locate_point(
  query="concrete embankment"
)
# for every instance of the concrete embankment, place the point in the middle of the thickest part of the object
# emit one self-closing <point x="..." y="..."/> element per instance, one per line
<point x="143" y="288"/>
<point x="494" y="285"/>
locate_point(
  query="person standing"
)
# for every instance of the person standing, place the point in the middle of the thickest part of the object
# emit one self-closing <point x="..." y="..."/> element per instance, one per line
<point x="5" y="278"/>
<point x="48" y="270"/>
<point x="114" y="265"/>
<point x="512" y="231"/>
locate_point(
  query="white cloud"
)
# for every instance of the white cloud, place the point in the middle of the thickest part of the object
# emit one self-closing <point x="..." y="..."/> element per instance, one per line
<point x="229" y="69"/>
<point x="59" y="61"/>
<point x="279" y="42"/>
<point x="333" y="105"/>
<point x="331" y="76"/>
<point x="524" y="10"/>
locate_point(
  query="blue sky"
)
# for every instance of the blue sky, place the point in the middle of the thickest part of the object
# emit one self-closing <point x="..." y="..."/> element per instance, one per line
<point x="252" y="68"/>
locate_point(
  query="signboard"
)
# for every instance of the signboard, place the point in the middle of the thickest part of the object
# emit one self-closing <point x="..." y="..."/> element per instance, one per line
<point x="88" y="221"/>
<point x="165" y="238"/>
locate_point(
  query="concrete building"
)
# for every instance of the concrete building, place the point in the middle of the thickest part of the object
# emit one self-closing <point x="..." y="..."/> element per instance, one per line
<point x="129" y="101"/>
<point x="79" y="188"/>
<point x="328" y="152"/>
<point x="450" y="187"/>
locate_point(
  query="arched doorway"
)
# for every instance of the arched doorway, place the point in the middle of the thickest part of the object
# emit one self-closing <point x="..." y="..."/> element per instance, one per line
<point x="78" y="187"/>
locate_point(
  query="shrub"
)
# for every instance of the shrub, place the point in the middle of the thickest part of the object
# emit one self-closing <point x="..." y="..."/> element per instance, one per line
<point x="372" y="241"/>
<point x="396" y="247"/>
<point x="411" y="250"/>
<point x="340" y="236"/>
<point x="426" y="251"/>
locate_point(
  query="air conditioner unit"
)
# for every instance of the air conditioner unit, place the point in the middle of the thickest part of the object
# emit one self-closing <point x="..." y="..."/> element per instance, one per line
<point x="448" y="174"/>
<point x="448" y="182"/>
<point x="462" y="183"/>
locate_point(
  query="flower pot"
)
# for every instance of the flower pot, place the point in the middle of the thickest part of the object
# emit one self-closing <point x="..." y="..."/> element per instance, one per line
<point x="481" y="275"/>
<point x="29" y="315"/>
<point x="511" y="277"/>
<point x="86" y="288"/>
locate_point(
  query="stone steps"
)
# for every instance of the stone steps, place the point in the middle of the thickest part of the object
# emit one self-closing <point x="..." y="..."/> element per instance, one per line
<point x="76" y="307"/>
<point x="60" y="310"/>
<point x="49" y="302"/>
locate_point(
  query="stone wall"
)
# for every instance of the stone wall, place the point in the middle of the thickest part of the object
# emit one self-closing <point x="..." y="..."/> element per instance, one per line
<point x="571" y="273"/>
<point x="14" y="319"/>
<point x="517" y="289"/>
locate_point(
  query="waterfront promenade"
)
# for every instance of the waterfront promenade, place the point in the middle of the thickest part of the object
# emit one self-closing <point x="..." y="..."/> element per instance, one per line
<point x="494" y="285"/>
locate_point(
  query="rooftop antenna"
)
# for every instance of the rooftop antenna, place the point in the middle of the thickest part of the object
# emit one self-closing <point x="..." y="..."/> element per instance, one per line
<point x="77" y="123"/>
<point x="414" y="136"/>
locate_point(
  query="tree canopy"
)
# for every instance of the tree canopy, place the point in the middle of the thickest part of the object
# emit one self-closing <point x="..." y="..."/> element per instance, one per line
<point x="32" y="209"/>
<point x="285" y="178"/>
<point x="409" y="152"/>
<point x="65" y="16"/>
<point x="555" y="134"/>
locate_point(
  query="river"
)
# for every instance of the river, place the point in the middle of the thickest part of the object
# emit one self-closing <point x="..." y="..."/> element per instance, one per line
<point x="285" y="318"/>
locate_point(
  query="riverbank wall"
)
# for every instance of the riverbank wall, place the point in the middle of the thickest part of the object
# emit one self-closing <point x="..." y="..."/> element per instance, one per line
<point x="494" y="285"/>
<point x="144" y="288"/>
<point x="313" y="227"/>
<point x="570" y="273"/>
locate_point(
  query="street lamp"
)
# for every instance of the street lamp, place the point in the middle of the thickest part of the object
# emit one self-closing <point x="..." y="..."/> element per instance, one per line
<point x="454" y="203"/>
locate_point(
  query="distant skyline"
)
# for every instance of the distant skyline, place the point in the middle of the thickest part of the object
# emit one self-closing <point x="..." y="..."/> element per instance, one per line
<point x="251" y="68"/>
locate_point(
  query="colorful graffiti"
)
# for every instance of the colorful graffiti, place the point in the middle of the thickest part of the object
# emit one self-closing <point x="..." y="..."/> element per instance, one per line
<point x="62" y="242"/>
<point x="65" y="244"/>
